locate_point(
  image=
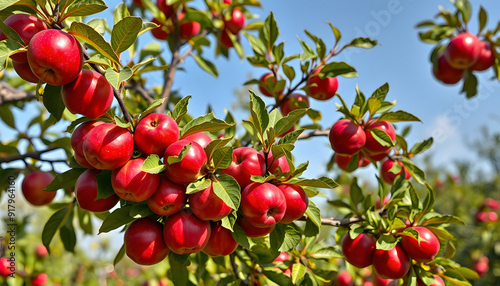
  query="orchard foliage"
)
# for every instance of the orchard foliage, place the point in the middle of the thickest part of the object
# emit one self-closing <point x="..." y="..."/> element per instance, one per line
<point x="182" y="198"/>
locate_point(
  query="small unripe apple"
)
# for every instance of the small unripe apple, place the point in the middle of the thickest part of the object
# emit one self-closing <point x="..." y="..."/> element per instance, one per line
<point x="485" y="59"/>
<point x="108" y="146"/>
<point x="155" y="132"/>
<point x="426" y="249"/>
<point x="247" y="162"/>
<point x="24" y="71"/>
<point x="263" y="204"/>
<point x="144" y="242"/>
<point x="254" y="231"/>
<point x="168" y="199"/>
<point x="293" y="102"/>
<point x="321" y="89"/>
<point x="33" y="187"/>
<point x="391" y="264"/>
<point x="206" y="205"/>
<point x="86" y="193"/>
<point x="201" y="138"/>
<point x="445" y="73"/>
<point x="359" y="251"/>
<point x="463" y="50"/>
<point x="184" y="233"/>
<point x="389" y="176"/>
<point x="77" y="139"/>
<point x="372" y="145"/>
<point x="132" y="184"/>
<point x="221" y="241"/>
<point x="264" y="79"/>
<point x="26" y="26"/>
<point x="296" y="202"/>
<point x="347" y="137"/>
<point x="90" y="94"/>
<point x="55" y="56"/>
<point x="190" y="168"/>
<point x="236" y="22"/>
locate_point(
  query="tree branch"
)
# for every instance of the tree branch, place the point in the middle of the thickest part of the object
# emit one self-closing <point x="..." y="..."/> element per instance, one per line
<point x="314" y="133"/>
<point x="9" y="94"/>
<point x="140" y="90"/>
<point x="34" y="155"/>
<point x="337" y="222"/>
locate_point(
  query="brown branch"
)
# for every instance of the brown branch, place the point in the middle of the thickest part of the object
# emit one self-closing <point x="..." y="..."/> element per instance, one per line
<point x="10" y="94"/>
<point x="34" y="155"/>
<point x="337" y="222"/>
<point x="314" y="133"/>
<point x="140" y="90"/>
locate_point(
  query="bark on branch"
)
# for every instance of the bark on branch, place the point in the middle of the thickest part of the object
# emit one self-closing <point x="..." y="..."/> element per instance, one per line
<point x="314" y="133"/>
<point x="34" y="155"/>
<point x="10" y="94"/>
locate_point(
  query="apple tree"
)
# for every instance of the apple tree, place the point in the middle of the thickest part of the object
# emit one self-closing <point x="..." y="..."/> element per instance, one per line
<point x="211" y="200"/>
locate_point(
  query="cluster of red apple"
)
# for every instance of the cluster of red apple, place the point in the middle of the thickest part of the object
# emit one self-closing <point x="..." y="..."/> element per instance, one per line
<point x="464" y="52"/>
<point x="166" y="27"/>
<point x="394" y="263"/>
<point x="486" y="212"/>
<point x="7" y="268"/>
<point x="234" y="22"/>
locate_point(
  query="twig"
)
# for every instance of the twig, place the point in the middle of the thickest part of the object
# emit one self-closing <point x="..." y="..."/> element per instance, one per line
<point x="314" y="134"/>
<point x="140" y="90"/>
<point x="10" y="94"/>
<point x="34" y="155"/>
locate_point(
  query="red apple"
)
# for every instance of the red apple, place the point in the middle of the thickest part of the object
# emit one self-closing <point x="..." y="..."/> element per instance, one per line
<point x="274" y="165"/>
<point x="389" y="176"/>
<point x="485" y="59"/>
<point x="253" y="231"/>
<point x="296" y="202"/>
<point x="168" y="199"/>
<point x="201" y="138"/>
<point x="481" y="265"/>
<point x="490" y="203"/>
<point x="347" y="137"/>
<point x="77" y="139"/>
<point x="187" y="29"/>
<point x="283" y="256"/>
<point x="184" y="233"/>
<point x="236" y="22"/>
<point x="376" y="157"/>
<point x="221" y="241"/>
<point x="424" y="249"/>
<point x="343" y="161"/>
<point x="321" y="89"/>
<point x="39" y="280"/>
<point x="108" y="146"/>
<point x="481" y="217"/>
<point x="144" y="242"/>
<point x="225" y="39"/>
<point x="6" y="267"/>
<point x="41" y="251"/>
<point x="26" y="26"/>
<point x="166" y="9"/>
<point x="86" y="193"/>
<point x="293" y="102"/>
<point x="90" y="94"/>
<point x="33" y="187"/>
<point x="155" y="132"/>
<point x="24" y="71"/>
<point x="463" y="50"/>
<point x="132" y="184"/>
<point x="379" y="281"/>
<point x="372" y="145"/>
<point x="263" y="204"/>
<point x="492" y="216"/>
<point x="269" y="80"/>
<point x="359" y="251"/>
<point x="55" y="56"/>
<point x="206" y="205"/>
<point x="162" y="31"/>
<point x="445" y="73"/>
<point x="344" y="279"/>
<point x="246" y="162"/>
<point x="190" y="168"/>
<point x="391" y="264"/>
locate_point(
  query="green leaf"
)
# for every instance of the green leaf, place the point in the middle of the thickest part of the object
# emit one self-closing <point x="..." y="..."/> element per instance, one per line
<point x="6" y="3"/>
<point x="176" y="159"/>
<point x="257" y="45"/>
<point x="240" y="236"/>
<point x="292" y="236"/>
<point x="470" y="84"/>
<point x="89" y="35"/>
<point x="52" y="100"/>
<point x="422" y="146"/>
<point x="10" y="33"/>
<point x="7" y="47"/>
<point x="386" y="242"/>
<point x="429" y="200"/>
<point x="398" y="116"/>
<point x="465" y="9"/>
<point x="259" y="113"/>
<point x="65" y="180"/>
<point x="285" y="123"/>
<point x="214" y="145"/>
<point x="270" y="31"/>
<point x="204" y="123"/>
<point x="140" y="210"/>
<point x="121" y="11"/>
<point x="84" y="8"/>
<point x="198" y="186"/>
<point x="415" y="171"/>
<point x="355" y="192"/>
<point x="151" y="108"/>
<point x="483" y="18"/>
<point x="85" y="221"/>
<point x="67" y="234"/>
<point x="307" y="52"/>
<point x="381" y="92"/>
<point x="381" y="137"/>
<point x="206" y="65"/>
<point x="373" y="104"/>
<point x="125" y="33"/>
<point x="180" y="109"/>
<point x="314" y="214"/>
<point x="277" y="276"/>
<point x="54" y="224"/>
<point x="334" y="69"/>
<point x="119" y="256"/>
<point x="442" y="219"/>
<point x="336" y="32"/>
<point x="7" y="117"/>
<point x="298" y="273"/>
<point x="116" y="219"/>
<point x="222" y="158"/>
<point x="321" y="182"/>
<point x="152" y="165"/>
<point x="361" y="42"/>
<point x="116" y="79"/>
<point x="227" y="189"/>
